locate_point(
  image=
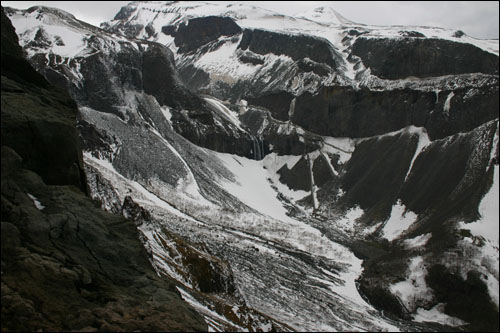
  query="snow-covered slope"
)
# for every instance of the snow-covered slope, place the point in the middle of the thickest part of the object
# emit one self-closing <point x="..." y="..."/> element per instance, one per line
<point x="350" y="193"/>
<point x="147" y="20"/>
<point x="324" y="14"/>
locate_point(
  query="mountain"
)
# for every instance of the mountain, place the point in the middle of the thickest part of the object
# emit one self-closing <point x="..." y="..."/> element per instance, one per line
<point x="326" y="15"/>
<point x="287" y="173"/>
<point x="66" y="264"/>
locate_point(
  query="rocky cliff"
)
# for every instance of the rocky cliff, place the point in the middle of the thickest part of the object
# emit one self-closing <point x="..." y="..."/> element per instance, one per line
<point x="66" y="264"/>
<point x="340" y="191"/>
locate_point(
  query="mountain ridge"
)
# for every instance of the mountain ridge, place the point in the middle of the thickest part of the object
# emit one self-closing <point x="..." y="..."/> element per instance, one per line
<point x="299" y="213"/>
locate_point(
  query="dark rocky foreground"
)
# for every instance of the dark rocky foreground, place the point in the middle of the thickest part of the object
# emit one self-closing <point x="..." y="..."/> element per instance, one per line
<point x="66" y="264"/>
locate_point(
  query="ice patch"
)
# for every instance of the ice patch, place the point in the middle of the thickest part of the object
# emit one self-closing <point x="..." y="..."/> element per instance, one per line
<point x="223" y="111"/>
<point x="414" y="289"/>
<point x="419" y="241"/>
<point x="348" y="221"/>
<point x="399" y="221"/>
<point x="273" y="163"/>
<point x="165" y="110"/>
<point x="437" y="315"/>
<point x="423" y="141"/>
<point x="344" y="147"/>
<point x="446" y="106"/>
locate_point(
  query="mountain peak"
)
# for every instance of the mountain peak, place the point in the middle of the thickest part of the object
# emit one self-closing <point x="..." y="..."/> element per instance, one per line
<point x="324" y="14"/>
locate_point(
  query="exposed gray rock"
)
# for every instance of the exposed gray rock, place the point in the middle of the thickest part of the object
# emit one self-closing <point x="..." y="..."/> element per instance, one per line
<point x="400" y="58"/>
<point x="202" y="30"/>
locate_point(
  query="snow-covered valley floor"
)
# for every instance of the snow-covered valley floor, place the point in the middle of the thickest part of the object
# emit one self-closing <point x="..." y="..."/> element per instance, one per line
<point x="282" y="267"/>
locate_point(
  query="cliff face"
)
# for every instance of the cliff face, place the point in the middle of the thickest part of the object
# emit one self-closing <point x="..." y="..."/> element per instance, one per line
<point x="322" y="155"/>
<point x="66" y="264"/>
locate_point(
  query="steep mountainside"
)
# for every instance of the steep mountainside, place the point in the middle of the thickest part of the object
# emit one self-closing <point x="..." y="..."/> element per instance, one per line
<point x="291" y="173"/>
<point x="66" y="264"/>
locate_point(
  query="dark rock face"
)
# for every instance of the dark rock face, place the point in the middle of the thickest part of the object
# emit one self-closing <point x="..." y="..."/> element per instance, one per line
<point x="296" y="178"/>
<point x="462" y="182"/>
<point x="279" y="137"/>
<point x="321" y="171"/>
<point x="452" y="289"/>
<point x="295" y="46"/>
<point x="376" y="171"/>
<point x="149" y="67"/>
<point x="202" y="30"/>
<point x="414" y="34"/>
<point x="38" y="121"/>
<point x="307" y="65"/>
<point x="66" y="264"/>
<point x="347" y="112"/>
<point x="127" y="67"/>
<point x="251" y="58"/>
<point x="160" y="79"/>
<point x="401" y="58"/>
<point x="446" y="184"/>
<point x="72" y="266"/>
<point x="278" y="103"/>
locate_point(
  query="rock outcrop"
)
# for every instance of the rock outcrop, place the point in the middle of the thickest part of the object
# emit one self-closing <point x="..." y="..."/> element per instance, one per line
<point x="422" y="57"/>
<point x="202" y="30"/>
<point x="348" y="112"/>
<point x="296" y="47"/>
<point x="66" y="264"/>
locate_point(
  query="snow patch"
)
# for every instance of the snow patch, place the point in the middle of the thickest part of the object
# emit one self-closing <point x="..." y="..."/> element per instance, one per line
<point x="414" y="289"/>
<point x="487" y="229"/>
<point x="419" y="241"/>
<point x="344" y="147"/>
<point x="437" y="315"/>
<point x="399" y="221"/>
<point x="348" y="221"/>
<point x="447" y="103"/>
<point x="273" y="163"/>
<point x="37" y="203"/>
<point x="423" y="141"/>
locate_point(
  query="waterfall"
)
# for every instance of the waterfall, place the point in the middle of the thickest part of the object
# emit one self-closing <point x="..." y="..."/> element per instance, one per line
<point x="258" y="147"/>
<point x="313" y="185"/>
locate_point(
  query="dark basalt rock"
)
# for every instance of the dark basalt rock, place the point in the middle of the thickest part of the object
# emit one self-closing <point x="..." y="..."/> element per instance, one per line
<point x="66" y="264"/>
<point x="461" y="182"/>
<point x="71" y="266"/>
<point x="401" y="58"/>
<point x="124" y="12"/>
<point x="447" y="182"/>
<point x="207" y="273"/>
<point x="38" y="121"/>
<point x="161" y="80"/>
<point x="278" y="137"/>
<point x="479" y="311"/>
<point x="147" y="67"/>
<point x="413" y="34"/>
<point x="376" y="171"/>
<point x="251" y="58"/>
<point x="134" y="211"/>
<point x="354" y="32"/>
<point x="277" y="103"/>
<point x="296" y="178"/>
<point x="295" y="46"/>
<point x="202" y="30"/>
<point x="321" y="171"/>
<point x="169" y="30"/>
<point x="307" y="65"/>
<point x="347" y="112"/>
